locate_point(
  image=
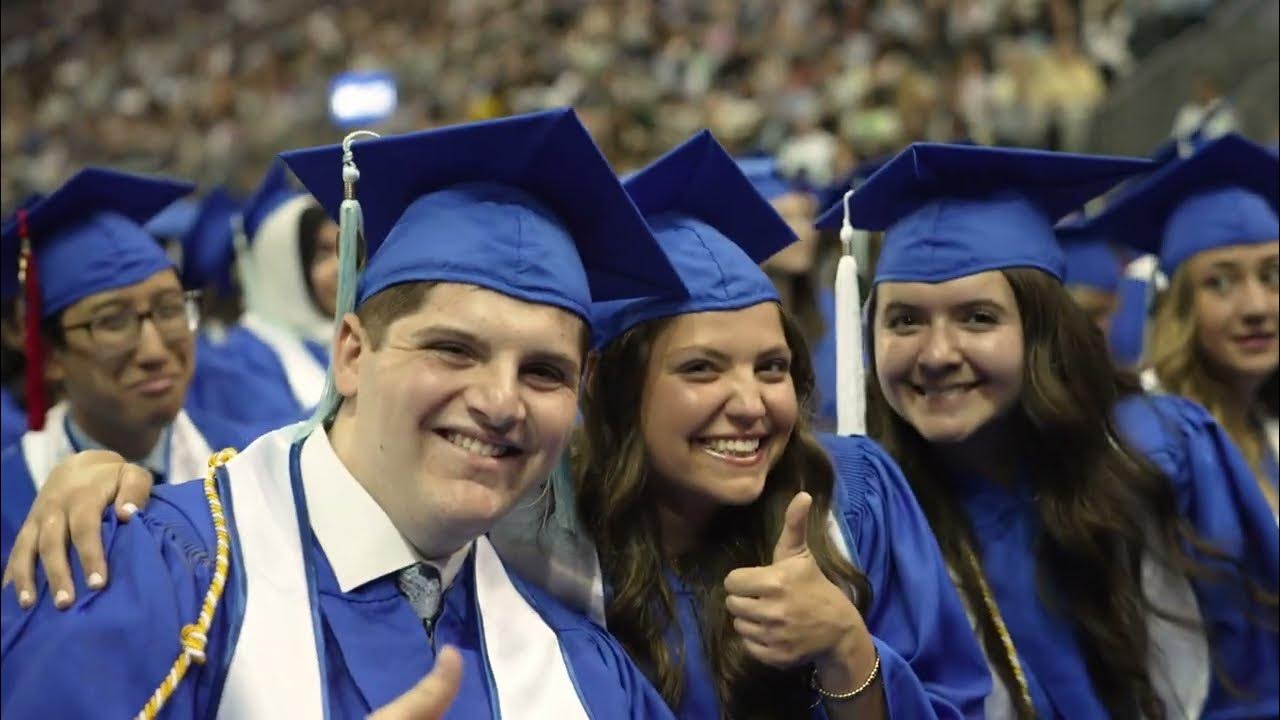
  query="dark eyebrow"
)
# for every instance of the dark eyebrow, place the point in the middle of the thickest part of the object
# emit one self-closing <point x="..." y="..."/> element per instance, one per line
<point x="984" y="304"/>
<point x="109" y="303"/>
<point x="898" y="305"/>
<point x="775" y="351"/>
<point x="421" y="336"/>
<point x="1225" y="265"/>
<point x="567" y="363"/>
<point x="445" y="332"/>
<point x="712" y="353"/>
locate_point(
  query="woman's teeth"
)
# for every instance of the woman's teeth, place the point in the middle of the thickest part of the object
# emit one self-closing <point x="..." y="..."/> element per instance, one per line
<point x="731" y="447"/>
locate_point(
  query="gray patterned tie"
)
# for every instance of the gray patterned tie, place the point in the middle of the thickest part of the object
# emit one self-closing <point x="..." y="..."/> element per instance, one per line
<point x="420" y="583"/>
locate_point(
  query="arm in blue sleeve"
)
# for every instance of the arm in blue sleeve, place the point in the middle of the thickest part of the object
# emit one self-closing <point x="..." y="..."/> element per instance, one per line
<point x="105" y="655"/>
<point x="931" y="661"/>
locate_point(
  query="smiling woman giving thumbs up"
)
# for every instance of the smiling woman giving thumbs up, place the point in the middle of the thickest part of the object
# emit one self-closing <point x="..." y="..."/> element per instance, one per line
<point x="752" y="568"/>
<point x="788" y="613"/>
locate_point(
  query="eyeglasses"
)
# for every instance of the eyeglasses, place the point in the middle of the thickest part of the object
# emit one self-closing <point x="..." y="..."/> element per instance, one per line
<point x="119" y="332"/>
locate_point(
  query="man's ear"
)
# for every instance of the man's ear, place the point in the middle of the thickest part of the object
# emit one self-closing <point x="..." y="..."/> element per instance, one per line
<point x="351" y="345"/>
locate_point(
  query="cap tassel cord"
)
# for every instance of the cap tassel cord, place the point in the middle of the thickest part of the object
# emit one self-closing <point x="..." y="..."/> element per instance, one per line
<point x="350" y="230"/>
<point x="29" y="277"/>
<point x="851" y="400"/>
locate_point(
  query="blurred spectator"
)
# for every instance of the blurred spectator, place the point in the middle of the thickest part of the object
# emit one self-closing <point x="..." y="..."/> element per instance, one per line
<point x="210" y="90"/>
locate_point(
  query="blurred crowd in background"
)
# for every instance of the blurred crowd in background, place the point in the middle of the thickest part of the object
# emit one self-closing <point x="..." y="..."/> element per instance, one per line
<point x="210" y="91"/>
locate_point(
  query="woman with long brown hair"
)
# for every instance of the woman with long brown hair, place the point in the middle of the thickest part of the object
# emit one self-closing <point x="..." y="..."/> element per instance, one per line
<point x="1112" y="548"/>
<point x="752" y="569"/>
<point x="1212" y="219"/>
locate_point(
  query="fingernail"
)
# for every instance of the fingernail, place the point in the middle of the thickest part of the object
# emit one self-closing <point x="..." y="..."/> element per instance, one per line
<point x="62" y="598"/>
<point x="130" y="509"/>
<point x="95" y="581"/>
<point x="25" y="598"/>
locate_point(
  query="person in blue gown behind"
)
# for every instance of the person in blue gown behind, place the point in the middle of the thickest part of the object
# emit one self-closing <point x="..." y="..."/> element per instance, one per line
<point x="1091" y="271"/>
<point x="797" y="273"/>
<point x="320" y="570"/>
<point x="747" y="561"/>
<point x="115" y="331"/>
<point x="1215" y="336"/>
<point x="1113" y="548"/>
<point x="285" y="257"/>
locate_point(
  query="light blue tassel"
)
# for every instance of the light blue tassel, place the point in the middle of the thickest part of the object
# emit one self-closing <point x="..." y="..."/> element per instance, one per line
<point x="350" y="230"/>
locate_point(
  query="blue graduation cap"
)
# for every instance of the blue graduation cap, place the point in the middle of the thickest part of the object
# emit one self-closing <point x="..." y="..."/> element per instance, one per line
<point x="765" y="176"/>
<point x="208" y="251"/>
<point x="1090" y="260"/>
<point x="273" y="191"/>
<point x="87" y="237"/>
<point x="175" y="220"/>
<point x="954" y="210"/>
<point x="851" y="180"/>
<point x="1226" y="193"/>
<point x="524" y="205"/>
<point x="713" y="225"/>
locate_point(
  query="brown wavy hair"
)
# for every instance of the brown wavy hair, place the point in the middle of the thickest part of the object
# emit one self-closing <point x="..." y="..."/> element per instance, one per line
<point x="616" y="499"/>
<point x="1101" y="505"/>
<point x="1180" y="364"/>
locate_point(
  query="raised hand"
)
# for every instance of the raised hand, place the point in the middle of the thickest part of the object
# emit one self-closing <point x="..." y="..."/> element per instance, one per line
<point x="788" y="612"/>
<point x="431" y="697"/>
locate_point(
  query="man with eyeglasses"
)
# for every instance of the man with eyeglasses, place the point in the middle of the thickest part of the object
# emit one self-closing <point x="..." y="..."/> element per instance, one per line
<point x="107" y="319"/>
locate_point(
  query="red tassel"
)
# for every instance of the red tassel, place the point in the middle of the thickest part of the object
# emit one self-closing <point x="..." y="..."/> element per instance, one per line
<point x="29" y="276"/>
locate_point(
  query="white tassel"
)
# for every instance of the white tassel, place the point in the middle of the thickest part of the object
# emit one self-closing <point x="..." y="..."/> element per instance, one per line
<point x="851" y="400"/>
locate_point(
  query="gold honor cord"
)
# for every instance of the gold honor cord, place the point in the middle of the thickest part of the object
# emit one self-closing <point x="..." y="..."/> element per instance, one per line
<point x="1005" y="639"/>
<point x="195" y="636"/>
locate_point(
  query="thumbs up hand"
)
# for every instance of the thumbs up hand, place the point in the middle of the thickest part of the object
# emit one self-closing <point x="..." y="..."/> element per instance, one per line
<point x="789" y="613"/>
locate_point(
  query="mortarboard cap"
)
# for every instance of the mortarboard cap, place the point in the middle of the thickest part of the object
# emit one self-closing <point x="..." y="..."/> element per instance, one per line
<point x="1224" y="194"/>
<point x="524" y="205"/>
<point x="715" y="228"/>
<point x="273" y="191"/>
<point x="1090" y="261"/>
<point x="175" y="220"/>
<point x="88" y="236"/>
<point x="765" y="176"/>
<point x="949" y="211"/>
<point x="208" y="250"/>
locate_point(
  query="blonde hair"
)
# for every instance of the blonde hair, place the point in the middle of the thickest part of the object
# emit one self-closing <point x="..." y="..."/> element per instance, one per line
<point x="1174" y="353"/>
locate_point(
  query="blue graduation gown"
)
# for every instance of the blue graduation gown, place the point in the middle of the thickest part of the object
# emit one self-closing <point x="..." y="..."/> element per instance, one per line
<point x="930" y="663"/>
<point x="13" y="419"/>
<point x="1219" y="495"/>
<point x="238" y="376"/>
<point x="1216" y="493"/>
<point x="18" y="488"/>
<point x="105" y="656"/>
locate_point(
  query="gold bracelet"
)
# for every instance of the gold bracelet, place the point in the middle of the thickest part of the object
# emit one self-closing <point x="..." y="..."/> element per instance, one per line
<point x="840" y="697"/>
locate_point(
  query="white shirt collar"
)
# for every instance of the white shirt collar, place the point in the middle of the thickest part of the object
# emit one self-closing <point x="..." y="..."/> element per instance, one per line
<point x="355" y="533"/>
